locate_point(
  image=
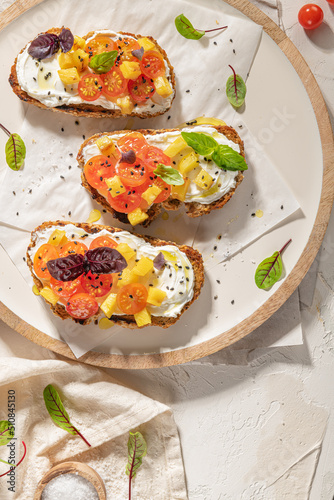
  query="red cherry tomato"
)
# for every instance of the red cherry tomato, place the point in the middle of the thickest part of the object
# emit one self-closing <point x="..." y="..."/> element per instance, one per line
<point x="126" y="202"/>
<point x="45" y="253"/>
<point x="72" y="247"/>
<point x="152" y="64"/>
<point x="154" y="155"/>
<point x="97" y="169"/>
<point x="125" y="47"/>
<point x="65" y="288"/>
<point x="141" y="89"/>
<point x="135" y="141"/>
<point x="90" y="87"/>
<point x="114" y="83"/>
<point x="103" y="241"/>
<point x="97" y="285"/>
<point x="82" y="306"/>
<point x="132" y="298"/>
<point x="166" y="189"/>
<point x="133" y="174"/>
<point x="100" y="44"/>
<point x="331" y="2"/>
<point x="310" y="16"/>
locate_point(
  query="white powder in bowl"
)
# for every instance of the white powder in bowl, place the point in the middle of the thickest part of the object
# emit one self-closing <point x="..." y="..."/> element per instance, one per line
<point x="69" y="487"/>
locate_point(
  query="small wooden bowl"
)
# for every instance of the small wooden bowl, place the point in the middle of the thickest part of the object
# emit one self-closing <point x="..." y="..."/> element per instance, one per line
<point x="74" y="468"/>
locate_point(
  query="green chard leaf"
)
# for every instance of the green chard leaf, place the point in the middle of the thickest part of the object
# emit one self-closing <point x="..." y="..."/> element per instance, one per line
<point x="169" y="174"/>
<point x="201" y="143"/>
<point x="136" y="451"/>
<point x="58" y="413"/>
<point x="227" y="158"/>
<point x="15" y="152"/>
<point x="102" y="63"/>
<point x="186" y="29"/>
<point x="269" y="271"/>
<point x="6" y="432"/>
<point x="235" y="89"/>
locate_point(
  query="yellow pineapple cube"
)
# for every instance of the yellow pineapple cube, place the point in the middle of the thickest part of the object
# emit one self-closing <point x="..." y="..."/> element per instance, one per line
<point x="188" y="163"/>
<point x="203" y="179"/>
<point x="143" y="266"/>
<point x="143" y="317"/>
<point x="155" y="296"/>
<point x="137" y="216"/>
<point x="106" y="145"/>
<point x="179" y="192"/>
<point x="127" y="277"/>
<point x="151" y="194"/>
<point x="127" y="252"/>
<point x="125" y="104"/>
<point x="162" y="86"/>
<point x="146" y="43"/>
<point x="69" y="76"/>
<point x="169" y="256"/>
<point x="130" y="69"/>
<point x="49" y="295"/>
<point x="115" y="186"/>
<point x="65" y="60"/>
<point x="108" y="306"/>
<point x="80" y="59"/>
<point x="176" y="147"/>
<point x="58" y="237"/>
<point x="79" y="43"/>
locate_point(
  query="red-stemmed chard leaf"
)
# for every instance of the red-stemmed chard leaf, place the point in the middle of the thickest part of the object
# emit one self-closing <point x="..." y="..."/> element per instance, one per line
<point x="66" y="40"/>
<point x="137" y="449"/>
<point x="187" y="30"/>
<point x="235" y="89"/>
<point x="128" y="157"/>
<point x="159" y="261"/>
<point x="104" y="260"/>
<point x="270" y="270"/>
<point x="44" y="46"/>
<point x="138" y="53"/>
<point x="19" y="462"/>
<point x="66" y="268"/>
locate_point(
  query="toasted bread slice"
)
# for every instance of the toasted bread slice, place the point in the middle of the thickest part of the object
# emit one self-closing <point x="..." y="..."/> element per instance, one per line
<point x="90" y="109"/>
<point x="192" y="258"/>
<point x="193" y="209"/>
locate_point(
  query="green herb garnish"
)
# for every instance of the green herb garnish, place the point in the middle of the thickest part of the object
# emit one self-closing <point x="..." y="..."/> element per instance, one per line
<point x="169" y="174"/>
<point x="270" y="270"/>
<point x="6" y="435"/>
<point x="235" y="89"/>
<point x="136" y="451"/>
<point x="15" y="150"/>
<point x="186" y="29"/>
<point x="58" y="413"/>
<point x="102" y="63"/>
<point x="224" y="157"/>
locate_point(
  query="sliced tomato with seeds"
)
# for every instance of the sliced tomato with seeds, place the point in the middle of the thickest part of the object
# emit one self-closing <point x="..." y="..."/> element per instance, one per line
<point x="97" y="169"/>
<point x="90" y="87"/>
<point x="141" y="89"/>
<point x="114" y="83"/>
<point x="152" y="64"/>
<point x="135" y="141"/>
<point x="132" y="298"/>
<point x="154" y="155"/>
<point x="100" y="44"/>
<point x="82" y="306"/>
<point x="126" y="202"/>
<point x="133" y="174"/>
<point x="103" y="241"/>
<point x="45" y="253"/>
<point x="97" y="285"/>
<point x="166" y="189"/>
<point x="72" y="247"/>
<point x="125" y="47"/>
<point x="65" y="288"/>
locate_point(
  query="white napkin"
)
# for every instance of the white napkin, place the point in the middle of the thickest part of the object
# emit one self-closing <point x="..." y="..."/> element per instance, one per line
<point x="104" y="412"/>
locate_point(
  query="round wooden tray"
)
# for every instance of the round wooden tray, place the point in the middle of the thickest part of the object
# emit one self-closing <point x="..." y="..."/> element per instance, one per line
<point x="292" y="280"/>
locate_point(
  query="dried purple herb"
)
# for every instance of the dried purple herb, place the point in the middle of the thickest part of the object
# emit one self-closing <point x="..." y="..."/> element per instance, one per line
<point x="159" y="261"/>
<point x="66" y="40"/>
<point x="104" y="260"/>
<point x="44" y="46"/>
<point x="138" y="53"/>
<point x="128" y="157"/>
<point x="66" y="268"/>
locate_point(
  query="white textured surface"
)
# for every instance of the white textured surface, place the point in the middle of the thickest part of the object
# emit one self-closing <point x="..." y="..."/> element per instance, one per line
<point x="232" y="418"/>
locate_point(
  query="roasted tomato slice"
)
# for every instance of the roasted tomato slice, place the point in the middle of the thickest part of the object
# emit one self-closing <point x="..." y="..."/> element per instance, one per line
<point x="125" y="47"/>
<point x="132" y="298"/>
<point x="141" y="89"/>
<point x="97" y="169"/>
<point x="90" y="87"/>
<point x="97" y="285"/>
<point x="114" y="83"/>
<point x="45" y="253"/>
<point x="103" y="241"/>
<point x="152" y="64"/>
<point x="65" y="288"/>
<point x="100" y="44"/>
<point x="135" y="141"/>
<point x="82" y="306"/>
<point x="166" y="189"/>
<point x="154" y="155"/>
<point x="72" y="247"/>
<point x="133" y="174"/>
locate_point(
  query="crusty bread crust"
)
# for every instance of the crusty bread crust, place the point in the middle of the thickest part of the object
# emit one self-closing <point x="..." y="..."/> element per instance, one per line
<point x="86" y="109"/>
<point x="125" y="321"/>
<point x="194" y="209"/>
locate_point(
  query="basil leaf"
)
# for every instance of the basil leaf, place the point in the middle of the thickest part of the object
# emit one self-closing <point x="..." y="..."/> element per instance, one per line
<point x="6" y="432"/>
<point x="102" y="63"/>
<point x="235" y="89"/>
<point x="269" y="271"/>
<point x="66" y="268"/>
<point x="186" y="29"/>
<point x="66" y="40"/>
<point x="15" y="152"/>
<point x="104" y="260"/>
<point x="201" y="143"/>
<point x="227" y="158"/>
<point x="137" y="449"/>
<point x="169" y="174"/>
